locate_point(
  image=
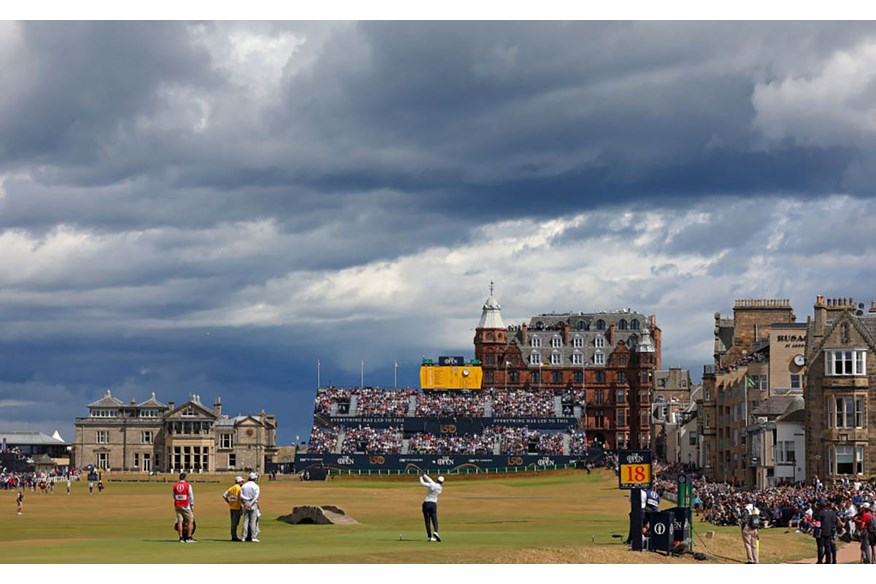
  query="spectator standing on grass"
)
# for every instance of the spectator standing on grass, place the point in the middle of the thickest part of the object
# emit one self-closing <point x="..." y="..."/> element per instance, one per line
<point x="862" y="523"/>
<point x="249" y="499"/>
<point x="825" y="534"/>
<point x="751" y="525"/>
<point x="184" y="505"/>
<point x="430" y="505"/>
<point x="232" y="497"/>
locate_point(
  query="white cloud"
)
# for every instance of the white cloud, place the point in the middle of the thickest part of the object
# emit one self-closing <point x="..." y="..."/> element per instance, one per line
<point x="834" y="107"/>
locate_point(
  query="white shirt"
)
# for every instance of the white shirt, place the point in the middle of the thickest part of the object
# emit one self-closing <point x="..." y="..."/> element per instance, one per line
<point x="433" y="489"/>
<point x="249" y="494"/>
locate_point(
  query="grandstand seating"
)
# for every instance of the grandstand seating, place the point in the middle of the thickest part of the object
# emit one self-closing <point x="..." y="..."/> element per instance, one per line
<point x="409" y="421"/>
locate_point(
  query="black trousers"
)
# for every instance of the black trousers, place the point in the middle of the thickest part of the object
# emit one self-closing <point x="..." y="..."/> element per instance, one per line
<point x="430" y="515"/>
<point x="826" y="550"/>
<point x="235" y="521"/>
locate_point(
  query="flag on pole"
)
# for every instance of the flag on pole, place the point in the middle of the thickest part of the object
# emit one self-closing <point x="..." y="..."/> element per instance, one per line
<point x="750" y="383"/>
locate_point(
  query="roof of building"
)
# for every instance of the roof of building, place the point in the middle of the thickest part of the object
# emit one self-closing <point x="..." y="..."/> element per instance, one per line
<point x="107" y="401"/>
<point x="31" y="439"/>
<point x="776" y="405"/>
<point x="794" y="416"/>
<point x="152" y="402"/>
<point x="491" y="316"/>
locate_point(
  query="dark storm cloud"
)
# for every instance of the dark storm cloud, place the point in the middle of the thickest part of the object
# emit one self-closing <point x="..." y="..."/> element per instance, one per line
<point x="507" y="118"/>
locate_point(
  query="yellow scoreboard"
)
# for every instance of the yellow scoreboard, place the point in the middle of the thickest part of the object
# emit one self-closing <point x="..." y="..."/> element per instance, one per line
<point x="451" y="376"/>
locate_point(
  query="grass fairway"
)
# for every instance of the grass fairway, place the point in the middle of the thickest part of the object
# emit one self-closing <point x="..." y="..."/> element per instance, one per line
<point x="558" y="517"/>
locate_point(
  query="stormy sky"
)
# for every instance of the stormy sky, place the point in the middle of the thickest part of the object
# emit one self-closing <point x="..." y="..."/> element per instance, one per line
<point x="211" y="207"/>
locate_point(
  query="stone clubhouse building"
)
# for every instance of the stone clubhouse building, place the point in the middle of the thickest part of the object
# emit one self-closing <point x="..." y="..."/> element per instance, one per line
<point x="152" y="436"/>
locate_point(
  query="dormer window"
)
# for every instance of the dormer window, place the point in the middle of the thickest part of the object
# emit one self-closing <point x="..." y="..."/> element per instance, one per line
<point x="845" y="362"/>
<point x="600" y="325"/>
<point x="535" y="342"/>
<point x="556" y="342"/>
<point x="578" y="342"/>
<point x="556" y="358"/>
<point x="539" y="326"/>
<point x="599" y="358"/>
<point x="634" y="324"/>
<point x="104" y="413"/>
<point x="534" y="358"/>
<point x="599" y="342"/>
<point x="581" y="326"/>
<point x="622" y="325"/>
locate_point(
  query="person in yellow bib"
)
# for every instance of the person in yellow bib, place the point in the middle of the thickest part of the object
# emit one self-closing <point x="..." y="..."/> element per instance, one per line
<point x="232" y="497"/>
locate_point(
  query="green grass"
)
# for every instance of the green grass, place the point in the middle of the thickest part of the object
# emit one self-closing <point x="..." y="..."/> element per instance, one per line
<point x="564" y="516"/>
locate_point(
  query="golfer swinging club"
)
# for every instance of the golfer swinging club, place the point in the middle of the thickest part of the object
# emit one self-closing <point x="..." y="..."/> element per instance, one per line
<point x="430" y="505"/>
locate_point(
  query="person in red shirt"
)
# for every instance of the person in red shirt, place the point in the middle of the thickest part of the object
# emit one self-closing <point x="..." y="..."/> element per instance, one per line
<point x="862" y="522"/>
<point x="184" y="504"/>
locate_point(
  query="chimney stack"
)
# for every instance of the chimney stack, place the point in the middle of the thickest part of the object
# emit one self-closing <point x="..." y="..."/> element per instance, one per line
<point x="217" y="406"/>
<point x="820" y="316"/>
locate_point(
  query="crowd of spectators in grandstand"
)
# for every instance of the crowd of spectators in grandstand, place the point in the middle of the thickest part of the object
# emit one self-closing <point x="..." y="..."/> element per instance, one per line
<point x="452" y="403"/>
<point x="496" y="403"/>
<point x="380" y="402"/>
<point x="522" y="403"/>
<point x="397" y="402"/>
<point x="492" y="440"/>
<point x="323" y="440"/>
<point x="325" y="397"/>
<point x="372" y="440"/>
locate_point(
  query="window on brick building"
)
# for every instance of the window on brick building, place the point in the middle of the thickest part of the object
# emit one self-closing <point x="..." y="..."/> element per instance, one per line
<point x="557" y="376"/>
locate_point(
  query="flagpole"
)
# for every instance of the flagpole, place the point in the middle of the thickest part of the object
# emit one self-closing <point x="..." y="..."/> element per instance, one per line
<point x="317" y="374"/>
<point x="395" y="377"/>
<point x="362" y="378"/>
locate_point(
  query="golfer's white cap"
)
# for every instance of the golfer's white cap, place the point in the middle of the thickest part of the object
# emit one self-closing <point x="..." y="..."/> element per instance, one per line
<point x="253" y="476"/>
<point x="440" y="479"/>
<point x="238" y="479"/>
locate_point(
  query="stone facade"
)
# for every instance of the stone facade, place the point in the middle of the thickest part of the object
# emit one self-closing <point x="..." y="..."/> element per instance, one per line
<point x="756" y="357"/>
<point x="153" y="436"/>
<point x="840" y="347"/>
<point x="670" y="397"/>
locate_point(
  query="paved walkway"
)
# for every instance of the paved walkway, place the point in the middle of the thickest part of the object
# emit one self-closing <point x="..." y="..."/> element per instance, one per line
<point x="846" y="553"/>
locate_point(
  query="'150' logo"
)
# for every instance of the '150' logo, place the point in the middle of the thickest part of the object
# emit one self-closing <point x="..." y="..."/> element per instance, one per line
<point x="515" y="461"/>
<point x="376" y="459"/>
<point x="448" y="429"/>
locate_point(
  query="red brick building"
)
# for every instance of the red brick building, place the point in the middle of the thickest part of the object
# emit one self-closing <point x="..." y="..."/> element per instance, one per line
<point x="603" y="361"/>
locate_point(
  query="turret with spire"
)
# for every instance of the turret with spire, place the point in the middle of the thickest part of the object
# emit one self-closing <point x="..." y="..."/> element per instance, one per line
<point x="491" y="315"/>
